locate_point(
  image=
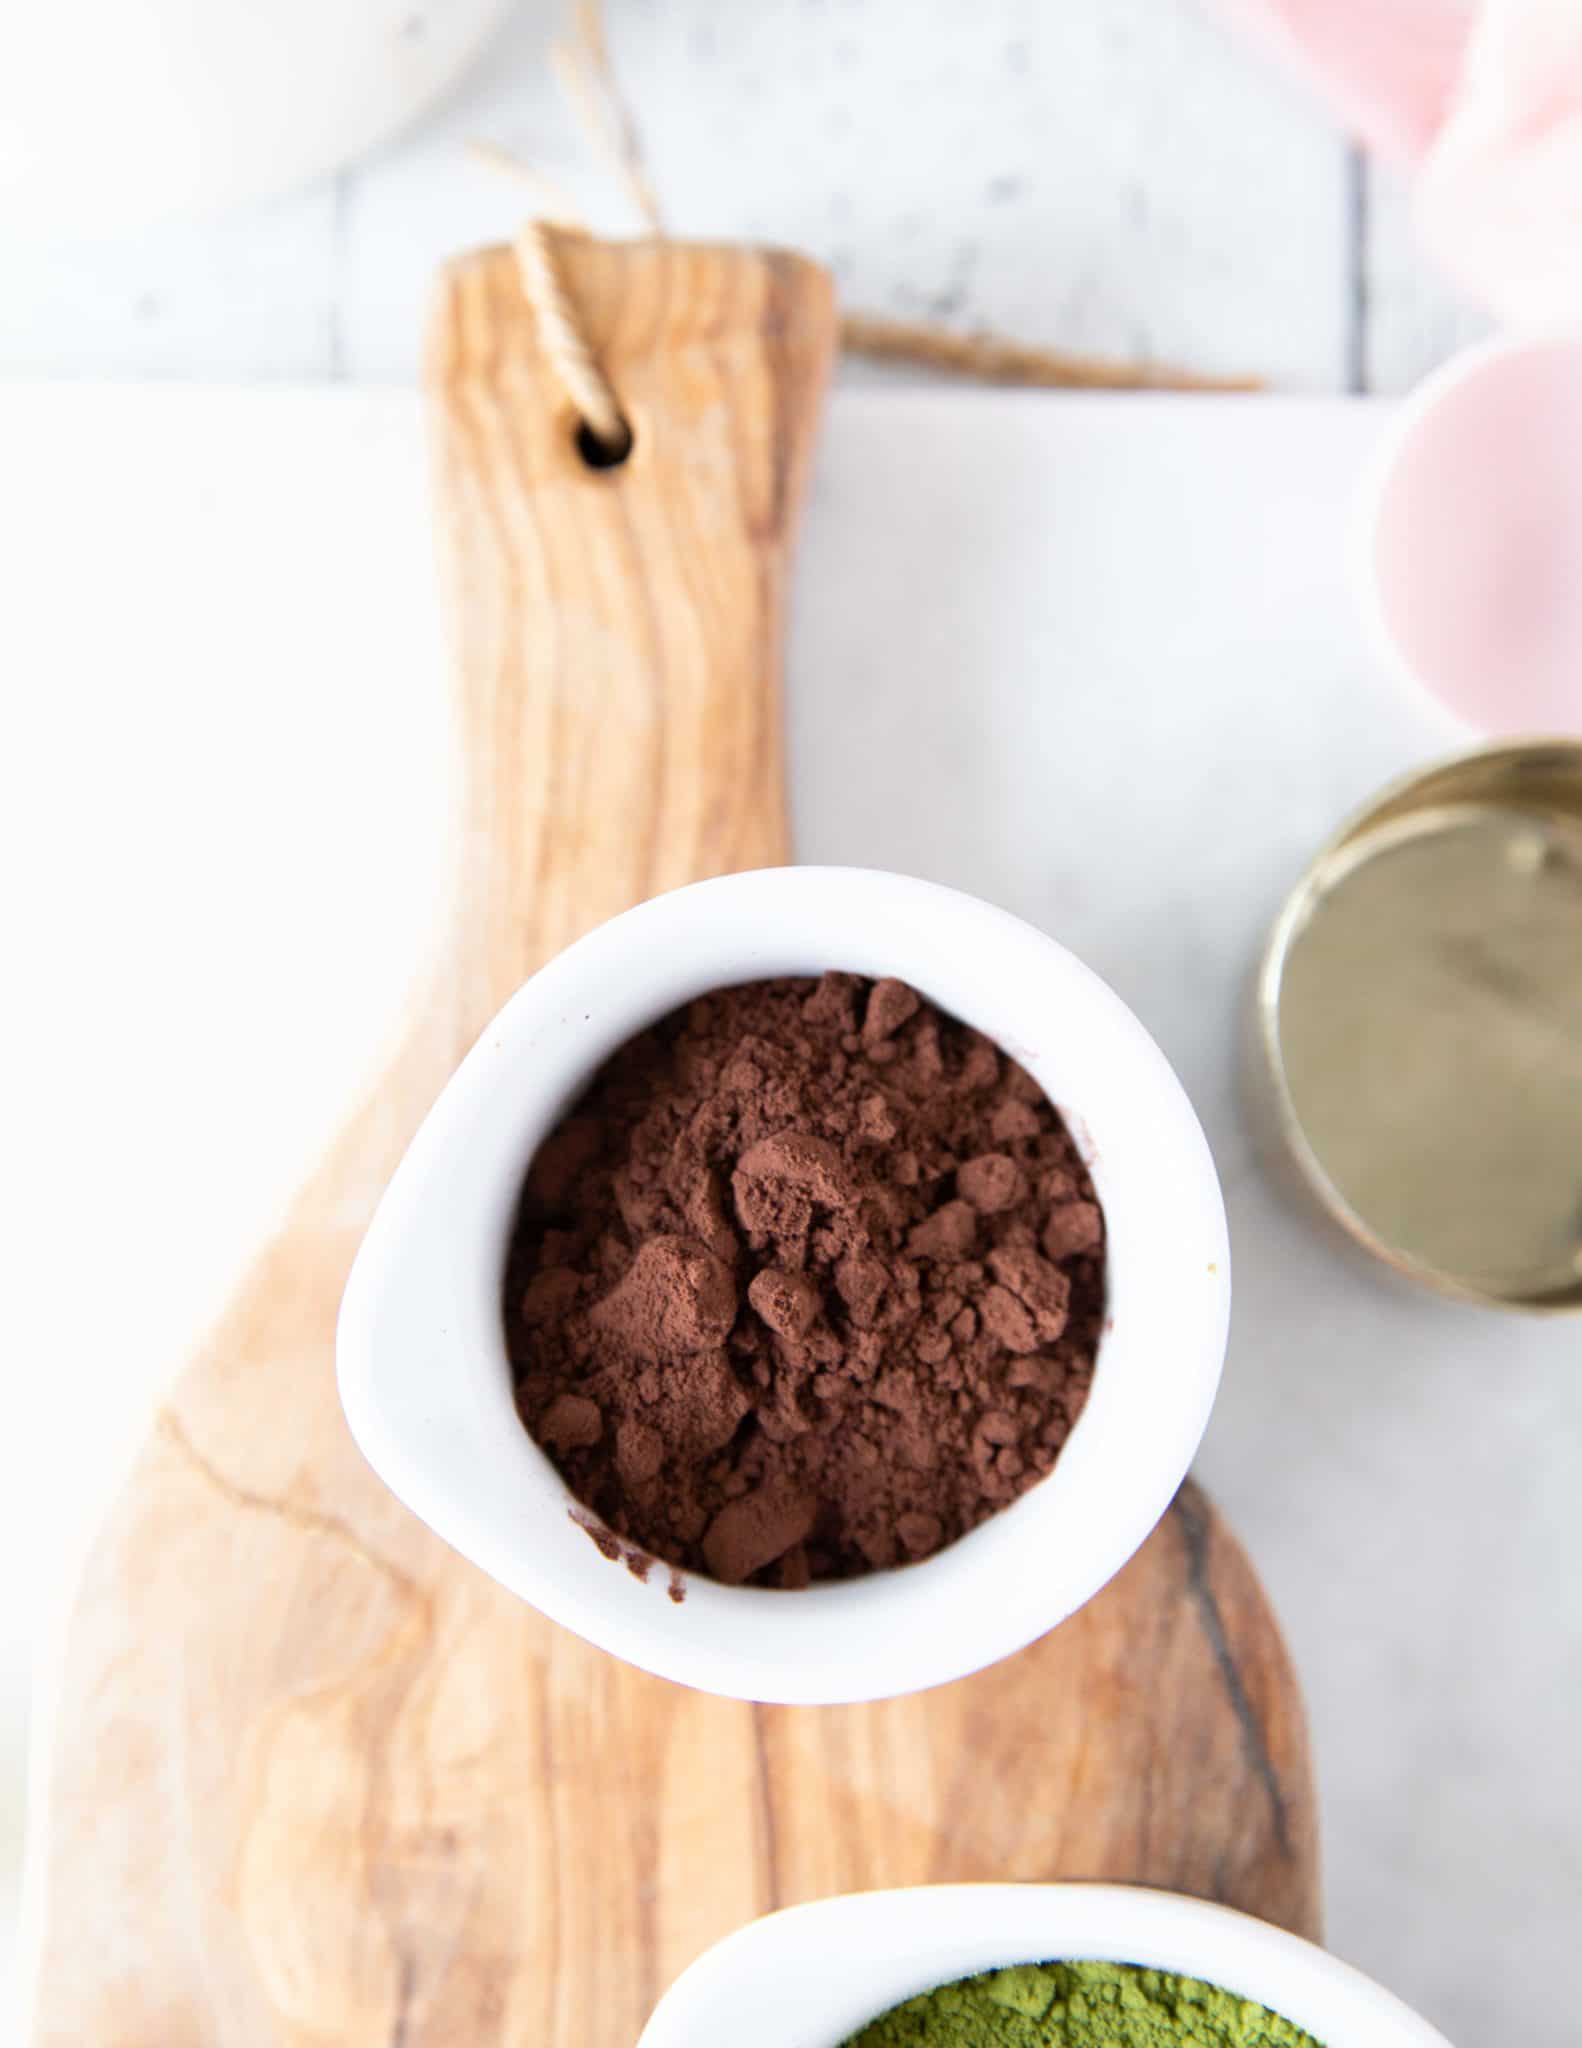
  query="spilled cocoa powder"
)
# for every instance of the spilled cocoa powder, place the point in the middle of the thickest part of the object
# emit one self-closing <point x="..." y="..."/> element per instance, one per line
<point x="808" y="1284"/>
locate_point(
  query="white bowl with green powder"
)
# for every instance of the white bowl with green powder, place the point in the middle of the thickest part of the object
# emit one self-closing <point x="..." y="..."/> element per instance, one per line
<point x="818" y="1976"/>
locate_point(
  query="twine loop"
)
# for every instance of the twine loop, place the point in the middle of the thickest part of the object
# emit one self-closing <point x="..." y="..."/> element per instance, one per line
<point x="566" y="346"/>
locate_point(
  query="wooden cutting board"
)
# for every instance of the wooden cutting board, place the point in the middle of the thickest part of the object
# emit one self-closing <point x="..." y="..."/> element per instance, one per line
<point x="316" y="1781"/>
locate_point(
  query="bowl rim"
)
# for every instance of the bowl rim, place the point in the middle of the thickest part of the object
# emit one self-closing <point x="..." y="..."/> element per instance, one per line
<point x="422" y="1293"/>
<point x="834" y="1964"/>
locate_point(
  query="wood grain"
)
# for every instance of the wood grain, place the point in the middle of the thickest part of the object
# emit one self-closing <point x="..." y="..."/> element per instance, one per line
<point x="315" y="1780"/>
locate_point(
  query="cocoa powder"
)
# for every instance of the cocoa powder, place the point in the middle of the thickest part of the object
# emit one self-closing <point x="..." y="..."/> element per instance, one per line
<point x="808" y="1284"/>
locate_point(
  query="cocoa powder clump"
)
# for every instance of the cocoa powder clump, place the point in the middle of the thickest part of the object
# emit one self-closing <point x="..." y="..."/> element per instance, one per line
<point x="808" y="1284"/>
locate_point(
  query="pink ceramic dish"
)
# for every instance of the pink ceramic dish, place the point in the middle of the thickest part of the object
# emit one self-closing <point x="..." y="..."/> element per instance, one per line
<point x="1470" y="536"/>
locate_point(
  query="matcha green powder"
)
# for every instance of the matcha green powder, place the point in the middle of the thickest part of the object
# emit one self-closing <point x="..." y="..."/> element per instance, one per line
<point x="1080" y="2005"/>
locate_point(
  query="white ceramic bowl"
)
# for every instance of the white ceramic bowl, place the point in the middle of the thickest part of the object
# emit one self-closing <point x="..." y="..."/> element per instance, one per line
<point x="811" y="1975"/>
<point x="114" y="117"/>
<point x="423" y="1371"/>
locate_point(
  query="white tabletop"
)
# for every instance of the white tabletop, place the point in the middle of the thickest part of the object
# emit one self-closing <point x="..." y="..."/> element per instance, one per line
<point x="1096" y="661"/>
<point x="1118" y="175"/>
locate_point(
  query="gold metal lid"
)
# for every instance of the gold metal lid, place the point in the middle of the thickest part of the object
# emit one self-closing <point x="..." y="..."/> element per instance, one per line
<point x="1420" y="1014"/>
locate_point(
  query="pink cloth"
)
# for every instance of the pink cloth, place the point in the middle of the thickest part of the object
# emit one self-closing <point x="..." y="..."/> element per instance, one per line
<point x="1485" y="102"/>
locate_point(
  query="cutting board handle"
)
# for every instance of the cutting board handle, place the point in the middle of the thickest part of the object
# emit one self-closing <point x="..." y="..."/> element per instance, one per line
<point x="618" y="629"/>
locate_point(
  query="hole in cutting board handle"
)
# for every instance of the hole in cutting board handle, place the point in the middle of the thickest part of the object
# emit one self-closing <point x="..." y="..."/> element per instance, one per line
<point x="597" y="454"/>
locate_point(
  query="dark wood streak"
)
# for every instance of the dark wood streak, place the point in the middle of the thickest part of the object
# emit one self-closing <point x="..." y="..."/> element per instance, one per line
<point x="406" y="1991"/>
<point x="1191" y="1515"/>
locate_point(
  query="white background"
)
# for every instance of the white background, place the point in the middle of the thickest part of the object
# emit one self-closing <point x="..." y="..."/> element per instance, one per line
<point x="1103" y="670"/>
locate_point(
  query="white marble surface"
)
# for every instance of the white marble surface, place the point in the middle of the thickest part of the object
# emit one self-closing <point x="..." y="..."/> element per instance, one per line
<point x="1120" y="175"/>
<point x="1095" y="661"/>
